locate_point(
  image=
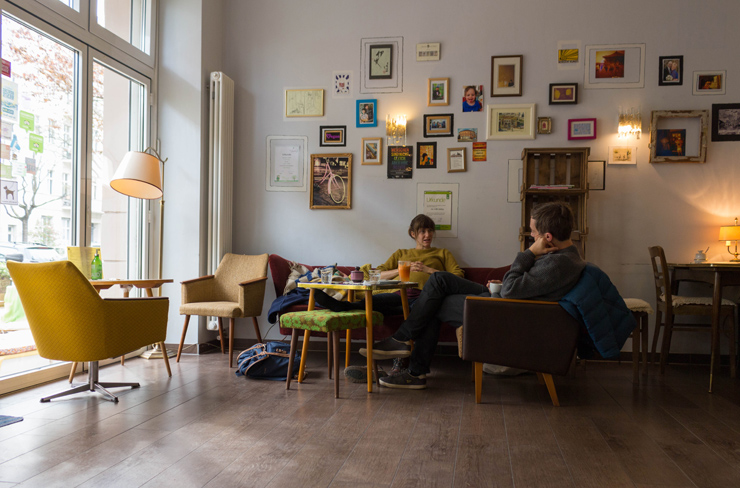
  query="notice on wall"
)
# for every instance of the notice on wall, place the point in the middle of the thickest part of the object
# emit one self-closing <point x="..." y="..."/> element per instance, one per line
<point x="400" y="162"/>
<point x="10" y="101"/>
<point x="479" y="151"/>
<point x="440" y="202"/>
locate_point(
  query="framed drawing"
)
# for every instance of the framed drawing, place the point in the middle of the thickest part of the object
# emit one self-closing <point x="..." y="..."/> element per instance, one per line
<point x="510" y="121"/>
<point x="544" y="125"/>
<point x="307" y="102"/>
<point x="374" y="77"/>
<point x="581" y="129"/>
<point x="615" y="66"/>
<point x="287" y="163"/>
<point x="426" y="155"/>
<point x="427" y="51"/>
<point x="506" y="76"/>
<point x="332" y="135"/>
<point x="331" y="181"/>
<point x="563" y="93"/>
<point x="372" y="150"/>
<point x="438" y="92"/>
<point x="726" y="122"/>
<point x="367" y="113"/>
<point x="380" y="62"/>
<point x="622" y="155"/>
<point x="440" y="202"/>
<point x="678" y="136"/>
<point x="438" y="125"/>
<point x="709" y="82"/>
<point x="670" y="70"/>
<point x="456" y="160"/>
<point x="597" y="175"/>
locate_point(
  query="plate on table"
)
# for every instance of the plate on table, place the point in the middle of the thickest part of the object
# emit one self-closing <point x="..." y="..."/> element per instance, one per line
<point x="388" y="282"/>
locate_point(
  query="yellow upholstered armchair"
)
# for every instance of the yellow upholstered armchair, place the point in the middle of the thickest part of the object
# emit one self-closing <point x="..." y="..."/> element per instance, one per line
<point x="71" y="322"/>
<point x="237" y="290"/>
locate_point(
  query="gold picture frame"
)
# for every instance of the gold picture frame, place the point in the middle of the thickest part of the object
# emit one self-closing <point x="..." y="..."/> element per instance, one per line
<point x="329" y="190"/>
<point x="456" y="160"/>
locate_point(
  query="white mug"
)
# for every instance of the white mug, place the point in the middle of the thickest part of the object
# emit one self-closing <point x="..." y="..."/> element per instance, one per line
<point x="494" y="288"/>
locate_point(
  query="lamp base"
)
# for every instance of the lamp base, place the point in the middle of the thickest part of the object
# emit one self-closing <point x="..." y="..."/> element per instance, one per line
<point x="156" y="353"/>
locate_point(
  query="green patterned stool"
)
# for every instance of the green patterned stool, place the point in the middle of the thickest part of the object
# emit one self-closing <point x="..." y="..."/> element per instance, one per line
<point x="330" y="323"/>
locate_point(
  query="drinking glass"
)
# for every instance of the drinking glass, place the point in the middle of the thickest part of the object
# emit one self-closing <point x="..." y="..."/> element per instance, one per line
<point x="374" y="275"/>
<point x="326" y="275"/>
<point x="404" y="270"/>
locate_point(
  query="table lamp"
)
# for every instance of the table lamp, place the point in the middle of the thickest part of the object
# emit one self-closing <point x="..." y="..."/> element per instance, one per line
<point x="728" y="234"/>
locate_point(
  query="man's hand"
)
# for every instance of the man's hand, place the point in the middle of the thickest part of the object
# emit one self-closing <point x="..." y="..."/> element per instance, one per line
<point x="542" y="246"/>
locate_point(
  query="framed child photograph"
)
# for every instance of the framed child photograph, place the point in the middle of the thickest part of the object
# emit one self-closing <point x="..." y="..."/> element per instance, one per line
<point x="581" y="129"/>
<point x="438" y="125"/>
<point x="563" y="93"/>
<point x="709" y="82"/>
<point x="331" y="181"/>
<point x="670" y="70"/>
<point x="438" y="92"/>
<point x="372" y="150"/>
<point x="366" y="113"/>
<point x="332" y="135"/>
<point x="511" y="121"/>
<point x="472" y="100"/>
<point x="426" y="155"/>
<point x="380" y="62"/>
<point x="456" y="160"/>
<point x="506" y="76"/>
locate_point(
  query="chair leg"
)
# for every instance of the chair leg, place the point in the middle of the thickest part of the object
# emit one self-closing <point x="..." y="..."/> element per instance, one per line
<point x="636" y="354"/>
<point x="72" y="373"/>
<point x="221" y="333"/>
<point x="733" y="351"/>
<point x="166" y="359"/>
<point x="182" y="338"/>
<point x="348" y="348"/>
<point x="329" y="359"/>
<point x="666" y="347"/>
<point x="644" y="331"/>
<point x="551" y="388"/>
<point x="231" y="340"/>
<point x="304" y="354"/>
<point x="291" y="358"/>
<point x="478" y="369"/>
<point x="257" y="329"/>
<point x="335" y="346"/>
<point x="656" y="333"/>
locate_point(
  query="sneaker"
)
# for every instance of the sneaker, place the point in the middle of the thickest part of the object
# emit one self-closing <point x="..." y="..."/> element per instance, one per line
<point x="358" y="374"/>
<point x="389" y="348"/>
<point x="405" y="380"/>
<point x="400" y="364"/>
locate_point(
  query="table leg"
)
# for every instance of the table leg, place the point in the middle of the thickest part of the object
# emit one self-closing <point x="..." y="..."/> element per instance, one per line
<point x="348" y="348"/>
<point x="716" y="308"/>
<point x="369" y="336"/>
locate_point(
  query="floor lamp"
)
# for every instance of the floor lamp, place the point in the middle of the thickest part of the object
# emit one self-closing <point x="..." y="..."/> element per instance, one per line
<point x="141" y="175"/>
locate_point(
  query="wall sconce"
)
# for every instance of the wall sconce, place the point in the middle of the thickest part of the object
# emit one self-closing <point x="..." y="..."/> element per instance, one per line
<point x="395" y="129"/>
<point x="630" y="123"/>
<point x="728" y="234"/>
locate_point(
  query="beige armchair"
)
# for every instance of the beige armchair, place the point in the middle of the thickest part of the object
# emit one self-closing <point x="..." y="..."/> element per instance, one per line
<point x="237" y="290"/>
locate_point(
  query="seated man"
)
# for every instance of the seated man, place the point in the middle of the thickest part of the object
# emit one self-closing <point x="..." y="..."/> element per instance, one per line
<point x="546" y="271"/>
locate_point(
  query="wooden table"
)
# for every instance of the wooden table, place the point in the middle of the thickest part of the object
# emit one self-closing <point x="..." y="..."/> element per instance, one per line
<point x="717" y="274"/>
<point x="351" y="288"/>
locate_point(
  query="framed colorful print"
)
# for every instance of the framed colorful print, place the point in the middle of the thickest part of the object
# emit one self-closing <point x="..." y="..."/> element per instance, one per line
<point x="726" y="122"/>
<point x="331" y="181"/>
<point x="569" y="55"/>
<point x="456" y="160"/>
<point x="427" y="51"/>
<point x="426" y="155"/>
<point x="581" y="129"/>
<point x="709" y="82"/>
<point x="597" y="175"/>
<point x="670" y="70"/>
<point x="544" y="125"/>
<point x="304" y="102"/>
<point x="678" y="136"/>
<point x="506" y="76"/>
<point x="400" y="162"/>
<point x="332" y="135"/>
<point x="510" y="121"/>
<point x="469" y="134"/>
<point x="381" y="62"/>
<point x="372" y="150"/>
<point x="563" y="93"/>
<point x="615" y="66"/>
<point x="287" y="163"/>
<point x="367" y="113"/>
<point x="438" y="92"/>
<point x="622" y="155"/>
<point x="472" y="98"/>
<point x="438" y="125"/>
<point x="373" y="76"/>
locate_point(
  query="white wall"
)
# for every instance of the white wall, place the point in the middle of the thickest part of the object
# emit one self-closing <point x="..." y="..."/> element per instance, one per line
<point x="268" y="46"/>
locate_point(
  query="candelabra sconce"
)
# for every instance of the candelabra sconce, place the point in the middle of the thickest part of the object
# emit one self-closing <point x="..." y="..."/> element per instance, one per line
<point x="630" y="123"/>
<point x="395" y="129"/>
<point x="729" y="234"/>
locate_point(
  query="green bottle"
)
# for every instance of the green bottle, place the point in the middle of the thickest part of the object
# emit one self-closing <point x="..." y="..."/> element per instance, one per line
<point x="96" y="268"/>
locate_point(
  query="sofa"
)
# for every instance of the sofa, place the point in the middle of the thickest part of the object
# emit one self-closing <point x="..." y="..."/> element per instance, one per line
<point x="280" y="270"/>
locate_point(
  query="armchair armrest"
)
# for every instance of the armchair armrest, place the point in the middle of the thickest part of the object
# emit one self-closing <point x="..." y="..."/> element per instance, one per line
<point x="256" y="280"/>
<point x="197" y="290"/>
<point x="251" y="296"/>
<point x="186" y="282"/>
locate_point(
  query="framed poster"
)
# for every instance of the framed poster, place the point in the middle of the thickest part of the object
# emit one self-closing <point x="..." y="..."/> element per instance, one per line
<point x="308" y="102"/>
<point x="287" y="163"/>
<point x="709" y="82"/>
<point x="438" y="125"/>
<point x="426" y="155"/>
<point x="400" y="162"/>
<point x="331" y="181"/>
<point x="511" y="121"/>
<point x="374" y="78"/>
<point x="726" y="122"/>
<point x="332" y="135"/>
<point x="597" y="175"/>
<point x="615" y="66"/>
<point x="367" y="113"/>
<point x="670" y="70"/>
<point x="372" y="150"/>
<point x="456" y="160"/>
<point x="581" y="129"/>
<point x="440" y="202"/>
<point x="506" y="76"/>
<point x="438" y="92"/>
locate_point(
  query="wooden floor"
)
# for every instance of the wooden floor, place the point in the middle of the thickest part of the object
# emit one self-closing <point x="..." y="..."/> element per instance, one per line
<point x="207" y="427"/>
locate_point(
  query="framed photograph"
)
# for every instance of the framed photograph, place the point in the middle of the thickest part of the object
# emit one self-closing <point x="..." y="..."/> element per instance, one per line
<point x="506" y="76"/>
<point x="670" y="70"/>
<point x="678" y="136"/>
<point x="622" y="155"/>
<point x="427" y="51"/>
<point x="400" y="162"/>
<point x="581" y="129"/>
<point x="426" y="155"/>
<point x="467" y="135"/>
<point x="380" y="62"/>
<point x="563" y="93"/>
<point x="726" y="122"/>
<point x="372" y="150"/>
<point x="511" y="121"/>
<point x="287" y="163"/>
<point x="372" y="78"/>
<point x="367" y="113"/>
<point x="332" y="135"/>
<point x="440" y="202"/>
<point x="456" y="160"/>
<point x="569" y="55"/>
<point x="472" y="100"/>
<point x="438" y="92"/>
<point x="331" y="181"/>
<point x="597" y="175"/>
<point x="544" y="125"/>
<point x="438" y="125"/>
<point x="709" y="82"/>
<point x="615" y="66"/>
<point x="308" y="102"/>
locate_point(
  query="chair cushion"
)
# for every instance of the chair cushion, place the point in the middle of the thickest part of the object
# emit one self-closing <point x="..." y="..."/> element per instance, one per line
<point x="638" y="305"/>
<point x="212" y="309"/>
<point x="327" y="321"/>
<point x="680" y="300"/>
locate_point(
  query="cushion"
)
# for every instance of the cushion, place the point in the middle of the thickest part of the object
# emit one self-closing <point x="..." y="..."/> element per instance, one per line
<point x="17" y="342"/>
<point x="637" y="305"/>
<point x="680" y="300"/>
<point x="212" y="309"/>
<point x="327" y="321"/>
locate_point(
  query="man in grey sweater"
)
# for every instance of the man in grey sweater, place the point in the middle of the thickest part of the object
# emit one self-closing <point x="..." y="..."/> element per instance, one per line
<point x="546" y="271"/>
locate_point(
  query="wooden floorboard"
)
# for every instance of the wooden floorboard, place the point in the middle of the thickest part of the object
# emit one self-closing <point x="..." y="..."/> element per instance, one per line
<point x="207" y="427"/>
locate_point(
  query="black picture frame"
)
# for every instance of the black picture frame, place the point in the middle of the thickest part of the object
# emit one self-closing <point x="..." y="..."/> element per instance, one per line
<point x="400" y="162"/>
<point x="380" y="62"/>
<point x="559" y="94"/>
<point x="665" y="77"/>
<point x="432" y="127"/>
<point x="597" y="175"/>
<point x="332" y="135"/>
<point x="725" y="122"/>
<point x="423" y="148"/>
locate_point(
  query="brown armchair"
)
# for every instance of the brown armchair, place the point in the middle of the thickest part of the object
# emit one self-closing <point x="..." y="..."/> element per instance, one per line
<point x="237" y="290"/>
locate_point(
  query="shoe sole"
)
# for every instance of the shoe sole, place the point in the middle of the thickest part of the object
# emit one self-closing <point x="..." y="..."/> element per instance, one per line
<point x="403" y="387"/>
<point x="386" y="354"/>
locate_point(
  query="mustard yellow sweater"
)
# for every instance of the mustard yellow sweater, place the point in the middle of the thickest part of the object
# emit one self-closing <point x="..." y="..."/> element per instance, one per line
<point x="439" y="259"/>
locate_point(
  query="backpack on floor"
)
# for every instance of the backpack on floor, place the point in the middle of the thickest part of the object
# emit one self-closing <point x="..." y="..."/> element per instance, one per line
<point x="267" y="361"/>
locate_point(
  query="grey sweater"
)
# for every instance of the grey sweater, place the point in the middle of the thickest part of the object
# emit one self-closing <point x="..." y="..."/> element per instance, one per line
<point x="548" y="277"/>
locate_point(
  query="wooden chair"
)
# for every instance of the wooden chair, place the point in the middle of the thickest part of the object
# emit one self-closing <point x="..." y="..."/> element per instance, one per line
<point x="640" y="310"/>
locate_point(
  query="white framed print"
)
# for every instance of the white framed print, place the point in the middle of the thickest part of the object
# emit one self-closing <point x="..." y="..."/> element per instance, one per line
<point x="287" y="163"/>
<point x="440" y="202"/>
<point x="614" y="66"/>
<point x="509" y="122"/>
<point x="709" y="82"/>
<point x="622" y="155"/>
<point x="372" y="150"/>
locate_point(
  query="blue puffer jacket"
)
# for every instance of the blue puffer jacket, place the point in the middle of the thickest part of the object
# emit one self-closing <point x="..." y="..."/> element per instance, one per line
<point x="596" y="303"/>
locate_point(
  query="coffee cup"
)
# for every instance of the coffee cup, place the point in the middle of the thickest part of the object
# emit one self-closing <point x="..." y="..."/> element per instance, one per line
<point x="494" y="288"/>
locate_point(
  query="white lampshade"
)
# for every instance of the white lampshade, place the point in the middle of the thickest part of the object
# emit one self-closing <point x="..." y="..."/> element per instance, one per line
<point x="138" y="176"/>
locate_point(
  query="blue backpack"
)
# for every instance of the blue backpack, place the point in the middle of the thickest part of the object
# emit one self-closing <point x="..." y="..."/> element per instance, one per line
<point x="267" y="361"/>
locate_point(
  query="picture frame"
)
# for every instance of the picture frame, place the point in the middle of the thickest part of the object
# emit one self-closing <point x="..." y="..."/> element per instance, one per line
<point x="614" y="66"/>
<point x="597" y="175"/>
<point x="692" y="126"/>
<point x="304" y="102"/>
<point x="670" y="70"/>
<point x="331" y="181"/>
<point x="514" y="181"/>
<point x="622" y="155"/>
<point x="511" y="122"/>
<point x="372" y="150"/>
<point x="400" y="162"/>
<point x="332" y="135"/>
<point x="456" y="160"/>
<point x="440" y="202"/>
<point x="367" y="113"/>
<point x="472" y="98"/>
<point x="427" y="51"/>
<point x="563" y="94"/>
<point x="394" y="84"/>
<point x="287" y="163"/>
<point x="438" y="92"/>
<point x="544" y="125"/>
<point x="439" y="125"/>
<point x="506" y="76"/>
<point x="380" y="62"/>
<point x="709" y="82"/>
<point x="579" y="129"/>
<point x="725" y="122"/>
<point x="426" y="155"/>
